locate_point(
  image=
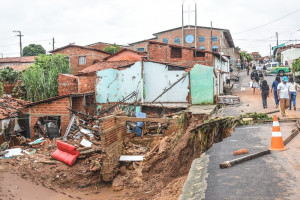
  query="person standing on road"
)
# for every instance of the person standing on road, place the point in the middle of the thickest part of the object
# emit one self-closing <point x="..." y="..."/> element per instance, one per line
<point x="284" y="95"/>
<point x="255" y="79"/>
<point x="274" y="86"/>
<point x="265" y="93"/>
<point x="293" y="92"/>
<point x="228" y="79"/>
<point x="248" y="69"/>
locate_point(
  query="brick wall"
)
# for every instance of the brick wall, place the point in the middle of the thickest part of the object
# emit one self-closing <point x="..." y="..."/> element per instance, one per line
<point x="86" y="83"/>
<point x="171" y="35"/>
<point x="162" y="53"/>
<point x="58" y="107"/>
<point x="92" y="56"/>
<point x="67" y="84"/>
<point x="113" y="131"/>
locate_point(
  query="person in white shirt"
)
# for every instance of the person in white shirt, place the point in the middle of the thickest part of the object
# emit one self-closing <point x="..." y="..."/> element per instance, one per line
<point x="228" y="79"/>
<point x="283" y="95"/>
<point x="293" y="92"/>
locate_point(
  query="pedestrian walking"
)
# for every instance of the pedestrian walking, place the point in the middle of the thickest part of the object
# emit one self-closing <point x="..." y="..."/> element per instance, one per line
<point x="265" y="93"/>
<point x="248" y="70"/>
<point x="228" y="79"/>
<point x="255" y="79"/>
<point x="293" y="92"/>
<point x="274" y="87"/>
<point x="283" y="95"/>
<point x="239" y="66"/>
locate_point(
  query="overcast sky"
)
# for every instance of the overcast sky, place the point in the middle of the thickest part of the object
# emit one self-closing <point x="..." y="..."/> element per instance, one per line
<point x="127" y="21"/>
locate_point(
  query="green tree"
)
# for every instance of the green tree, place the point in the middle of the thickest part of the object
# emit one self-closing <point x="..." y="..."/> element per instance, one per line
<point x="1" y="89"/>
<point x="8" y="75"/>
<point x="33" y="50"/>
<point x="237" y="48"/>
<point x="41" y="79"/>
<point x="112" y="48"/>
<point x="296" y="65"/>
<point x="249" y="58"/>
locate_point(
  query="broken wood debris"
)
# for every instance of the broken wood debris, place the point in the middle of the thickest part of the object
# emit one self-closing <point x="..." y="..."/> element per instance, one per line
<point x="293" y="135"/>
<point x="231" y="163"/>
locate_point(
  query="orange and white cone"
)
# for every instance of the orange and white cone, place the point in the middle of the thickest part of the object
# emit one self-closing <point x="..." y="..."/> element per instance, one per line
<point x="277" y="141"/>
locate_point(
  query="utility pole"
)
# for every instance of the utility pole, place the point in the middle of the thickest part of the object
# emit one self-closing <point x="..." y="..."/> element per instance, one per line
<point x="270" y="51"/>
<point x="277" y="38"/>
<point x="20" y="35"/>
<point x="195" y="25"/>
<point x="182" y="36"/>
<point x="277" y="44"/>
<point x="211" y="35"/>
<point x="53" y="43"/>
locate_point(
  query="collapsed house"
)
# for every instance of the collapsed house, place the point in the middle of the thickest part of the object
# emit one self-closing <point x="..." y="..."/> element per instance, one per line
<point x="13" y="122"/>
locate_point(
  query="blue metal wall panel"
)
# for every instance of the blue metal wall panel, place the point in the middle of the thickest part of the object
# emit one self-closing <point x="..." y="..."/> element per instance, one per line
<point x="112" y="85"/>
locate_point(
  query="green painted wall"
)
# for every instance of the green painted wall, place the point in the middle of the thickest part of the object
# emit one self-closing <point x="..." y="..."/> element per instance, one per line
<point x="202" y="84"/>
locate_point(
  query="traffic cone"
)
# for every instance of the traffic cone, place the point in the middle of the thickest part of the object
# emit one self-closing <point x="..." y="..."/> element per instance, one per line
<point x="277" y="141"/>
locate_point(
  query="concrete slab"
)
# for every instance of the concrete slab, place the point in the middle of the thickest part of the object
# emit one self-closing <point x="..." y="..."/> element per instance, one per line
<point x="202" y="109"/>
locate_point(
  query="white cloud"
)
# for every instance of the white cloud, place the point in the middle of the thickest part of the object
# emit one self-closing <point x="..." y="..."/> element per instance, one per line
<point x="126" y="21"/>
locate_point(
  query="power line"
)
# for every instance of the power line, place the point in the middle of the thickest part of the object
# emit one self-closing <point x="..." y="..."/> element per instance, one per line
<point x="267" y="23"/>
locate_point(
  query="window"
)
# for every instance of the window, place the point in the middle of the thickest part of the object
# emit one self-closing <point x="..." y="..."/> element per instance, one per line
<point x="176" y="52"/>
<point x="214" y="38"/>
<point x="201" y="39"/>
<point x="202" y="47"/>
<point x="199" y="54"/>
<point x="215" y="48"/>
<point x="82" y="60"/>
<point x="177" y="40"/>
<point x="173" y="68"/>
<point x="165" y="40"/>
<point x="140" y="49"/>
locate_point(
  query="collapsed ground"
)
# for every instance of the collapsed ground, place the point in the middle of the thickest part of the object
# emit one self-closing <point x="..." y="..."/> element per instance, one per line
<point x="160" y="175"/>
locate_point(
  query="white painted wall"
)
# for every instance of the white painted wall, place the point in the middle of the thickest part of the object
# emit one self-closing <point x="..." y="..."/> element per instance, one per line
<point x="290" y="55"/>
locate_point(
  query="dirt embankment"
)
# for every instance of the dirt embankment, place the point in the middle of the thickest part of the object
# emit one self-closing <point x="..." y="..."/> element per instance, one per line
<point x="160" y="176"/>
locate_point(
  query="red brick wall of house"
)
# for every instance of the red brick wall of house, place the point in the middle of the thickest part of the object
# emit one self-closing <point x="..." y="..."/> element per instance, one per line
<point x="162" y="53"/>
<point x="86" y="83"/>
<point x="67" y="84"/>
<point x="171" y="35"/>
<point x="57" y="107"/>
<point x="113" y="131"/>
<point x="139" y="45"/>
<point x="92" y="56"/>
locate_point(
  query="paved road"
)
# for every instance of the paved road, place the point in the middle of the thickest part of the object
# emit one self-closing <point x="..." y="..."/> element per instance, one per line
<point x="268" y="177"/>
<point x="275" y="176"/>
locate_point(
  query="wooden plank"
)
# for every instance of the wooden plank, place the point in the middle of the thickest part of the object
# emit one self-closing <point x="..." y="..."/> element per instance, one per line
<point x="231" y="163"/>
<point x="288" y="139"/>
<point x="135" y="119"/>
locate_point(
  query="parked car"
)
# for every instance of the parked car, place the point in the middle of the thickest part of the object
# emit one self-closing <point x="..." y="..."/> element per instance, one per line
<point x="275" y="68"/>
<point x="271" y="65"/>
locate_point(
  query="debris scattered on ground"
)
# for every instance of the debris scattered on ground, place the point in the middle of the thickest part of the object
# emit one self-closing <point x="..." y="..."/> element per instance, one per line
<point x="241" y="151"/>
<point x="228" y="100"/>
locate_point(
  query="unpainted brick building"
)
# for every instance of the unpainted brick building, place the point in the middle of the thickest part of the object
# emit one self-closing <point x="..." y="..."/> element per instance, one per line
<point x="185" y="56"/>
<point x="81" y="57"/>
